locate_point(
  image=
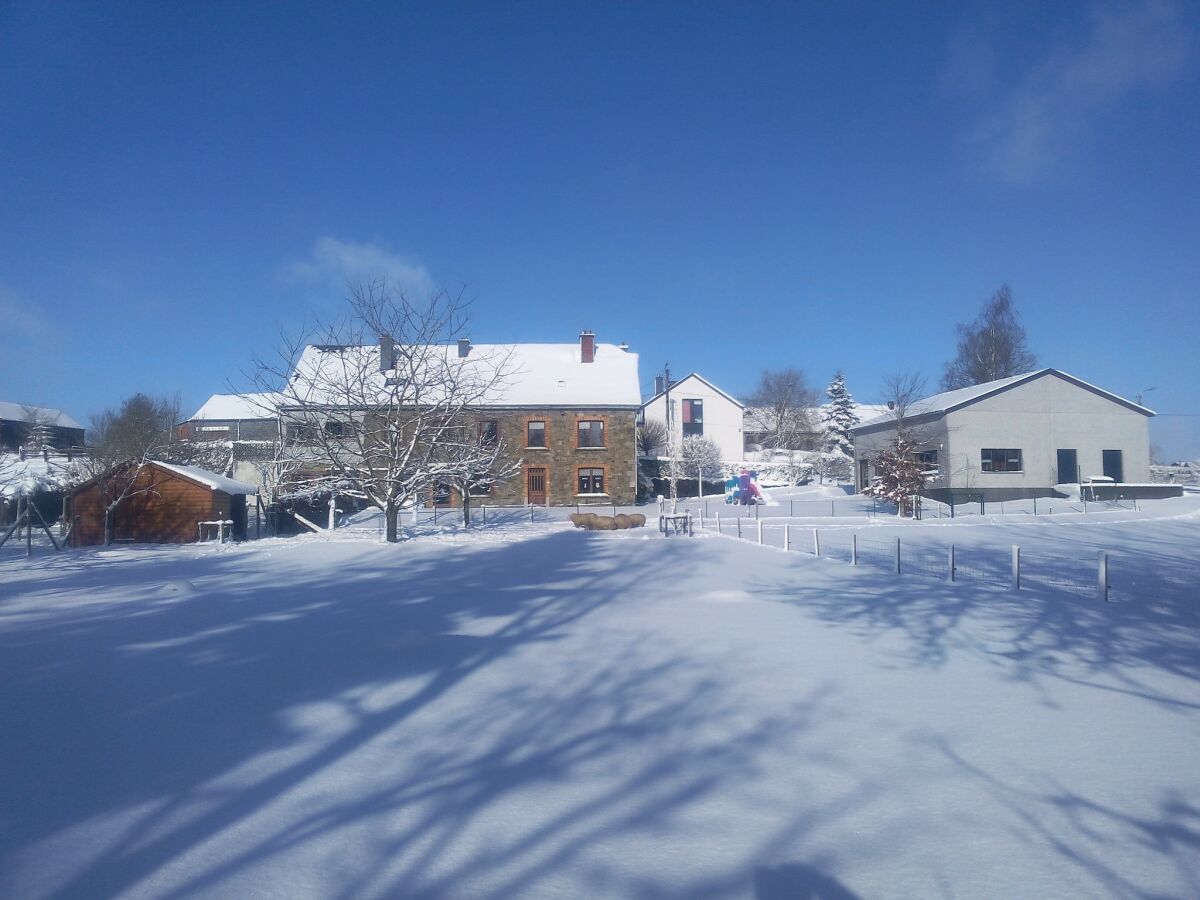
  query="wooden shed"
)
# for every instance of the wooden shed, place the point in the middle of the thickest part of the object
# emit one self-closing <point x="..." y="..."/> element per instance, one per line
<point x="163" y="503"/>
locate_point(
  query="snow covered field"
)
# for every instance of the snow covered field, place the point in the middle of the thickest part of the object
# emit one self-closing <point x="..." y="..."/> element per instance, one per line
<point x="534" y="711"/>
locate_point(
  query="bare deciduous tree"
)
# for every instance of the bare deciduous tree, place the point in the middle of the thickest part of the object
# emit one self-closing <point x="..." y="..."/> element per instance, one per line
<point x="380" y="398"/>
<point x="786" y="401"/>
<point x="991" y="347"/>
<point x="651" y="436"/>
<point x="124" y="440"/>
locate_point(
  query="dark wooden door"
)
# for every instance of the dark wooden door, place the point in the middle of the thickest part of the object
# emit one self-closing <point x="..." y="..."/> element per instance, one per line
<point x="535" y="485"/>
<point x="1068" y="467"/>
<point x="1113" y="465"/>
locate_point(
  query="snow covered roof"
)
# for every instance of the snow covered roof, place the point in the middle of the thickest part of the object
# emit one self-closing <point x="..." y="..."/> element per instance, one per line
<point x="33" y="474"/>
<point x="698" y="377"/>
<point x="208" y="479"/>
<point x="237" y="406"/>
<point x="17" y="412"/>
<point x="532" y="375"/>
<point x="947" y="401"/>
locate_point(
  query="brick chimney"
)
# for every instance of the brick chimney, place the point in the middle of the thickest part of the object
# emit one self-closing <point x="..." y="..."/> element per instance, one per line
<point x="587" y="346"/>
<point x="387" y="353"/>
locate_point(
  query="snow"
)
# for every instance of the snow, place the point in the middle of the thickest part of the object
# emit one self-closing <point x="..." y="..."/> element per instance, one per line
<point x="533" y="374"/>
<point x="536" y="711"/>
<point x="949" y="400"/>
<point x="16" y="412"/>
<point x="234" y="407"/>
<point x="209" y="479"/>
<point x="34" y="474"/>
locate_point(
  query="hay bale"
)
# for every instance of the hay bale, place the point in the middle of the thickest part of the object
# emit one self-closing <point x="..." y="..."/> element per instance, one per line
<point x="636" y="520"/>
<point x="622" y="521"/>
<point x="580" y="520"/>
<point x="601" y="523"/>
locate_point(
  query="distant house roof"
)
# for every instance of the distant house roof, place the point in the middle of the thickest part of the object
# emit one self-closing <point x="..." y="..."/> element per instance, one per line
<point x="698" y="377"/>
<point x="531" y="375"/>
<point x="236" y="407"/>
<point x="760" y="418"/>
<point x="948" y="401"/>
<point x="16" y="412"/>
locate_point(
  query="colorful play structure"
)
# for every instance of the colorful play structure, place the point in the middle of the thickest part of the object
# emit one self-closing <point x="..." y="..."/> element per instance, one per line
<point x="743" y="489"/>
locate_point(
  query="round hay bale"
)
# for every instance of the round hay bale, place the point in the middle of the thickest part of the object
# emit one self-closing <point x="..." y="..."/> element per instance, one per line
<point x="622" y="521"/>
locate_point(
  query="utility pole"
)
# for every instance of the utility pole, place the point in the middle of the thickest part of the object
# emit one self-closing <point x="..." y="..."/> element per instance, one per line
<point x="672" y="447"/>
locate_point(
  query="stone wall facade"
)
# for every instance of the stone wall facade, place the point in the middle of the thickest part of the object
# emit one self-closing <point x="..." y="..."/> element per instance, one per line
<point x="562" y="458"/>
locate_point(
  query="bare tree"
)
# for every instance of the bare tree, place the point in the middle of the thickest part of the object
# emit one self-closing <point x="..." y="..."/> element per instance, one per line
<point x="469" y="463"/>
<point x="651" y="436"/>
<point x="899" y="473"/>
<point x="786" y="400"/>
<point x="700" y="456"/>
<point x="991" y="347"/>
<point x="380" y="397"/>
<point x="124" y="440"/>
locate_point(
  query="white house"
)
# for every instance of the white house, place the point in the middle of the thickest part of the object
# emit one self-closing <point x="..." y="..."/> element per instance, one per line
<point x="698" y="406"/>
<point x="1017" y="437"/>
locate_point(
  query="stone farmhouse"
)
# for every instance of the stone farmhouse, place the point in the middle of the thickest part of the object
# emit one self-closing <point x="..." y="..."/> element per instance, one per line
<point x="566" y="412"/>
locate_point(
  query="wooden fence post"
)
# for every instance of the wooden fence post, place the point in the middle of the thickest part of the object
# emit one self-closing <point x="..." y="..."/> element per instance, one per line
<point x="854" y="548"/>
<point x="816" y="543"/>
<point x="1102" y="577"/>
<point x="739" y="521"/>
<point x="897" y="556"/>
<point x="1016" y="567"/>
<point x="718" y="523"/>
<point x="950" y="564"/>
<point x="787" y="538"/>
<point x="760" y="531"/>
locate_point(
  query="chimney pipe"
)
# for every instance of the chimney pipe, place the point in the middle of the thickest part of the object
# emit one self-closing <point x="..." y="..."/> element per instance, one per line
<point x="891" y="404"/>
<point x="464" y="347"/>
<point x="659" y="384"/>
<point x="587" y="346"/>
<point x="387" y="353"/>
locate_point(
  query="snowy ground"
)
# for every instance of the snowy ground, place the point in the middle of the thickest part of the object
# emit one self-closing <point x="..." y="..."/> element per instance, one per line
<point x="534" y="711"/>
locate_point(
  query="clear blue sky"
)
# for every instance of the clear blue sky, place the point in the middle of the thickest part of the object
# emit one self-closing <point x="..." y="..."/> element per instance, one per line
<point x="725" y="187"/>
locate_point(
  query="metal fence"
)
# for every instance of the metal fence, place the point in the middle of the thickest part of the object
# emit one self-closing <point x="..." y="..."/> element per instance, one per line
<point x="868" y="507"/>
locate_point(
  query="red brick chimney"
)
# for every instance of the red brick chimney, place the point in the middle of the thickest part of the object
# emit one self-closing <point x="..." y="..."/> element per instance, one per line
<point x="587" y="346"/>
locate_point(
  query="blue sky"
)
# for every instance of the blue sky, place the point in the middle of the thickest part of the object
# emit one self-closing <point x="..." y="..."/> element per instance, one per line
<point x="727" y="187"/>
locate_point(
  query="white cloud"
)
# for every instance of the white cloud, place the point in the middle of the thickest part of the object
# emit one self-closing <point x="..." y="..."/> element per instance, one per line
<point x="1058" y="101"/>
<point x="338" y="264"/>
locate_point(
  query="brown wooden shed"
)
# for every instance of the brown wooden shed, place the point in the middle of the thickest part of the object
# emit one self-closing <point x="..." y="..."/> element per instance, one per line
<point x="164" y="504"/>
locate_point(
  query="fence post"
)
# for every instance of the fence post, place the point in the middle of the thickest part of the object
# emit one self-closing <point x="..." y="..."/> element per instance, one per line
<point x="701" y="520"/>
<point x="718" y="523"/>
<point x="787" y="537"/>
<point x="952" y="509"/>
<point x="816" y="543"/>
<point x="832" y="508"/>
<point x="760" y="531"/>
<point x="854" y="548"/>
<point x="791" y="508"/>
<point x="1102" y="577"/>
<point x="739" y="526"/>
<point x="1016" y="567"/>
<point x="756" y="509"/>
<point x="950" y="563"/>
<point x="530" y="513"/>
<point x="897" y="556"/>
<point x="705" y="513"/>
<point x="1035" y="506"/>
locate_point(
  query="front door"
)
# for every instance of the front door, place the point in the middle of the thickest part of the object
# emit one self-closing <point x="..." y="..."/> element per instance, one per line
<point x="1068" y="467"/>
<point x="535" y="485"/>
<point x="1113" y="466"/>
<point x="864" y="470"/>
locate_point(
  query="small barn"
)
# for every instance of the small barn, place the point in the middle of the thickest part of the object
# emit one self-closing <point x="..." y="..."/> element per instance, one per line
<point x="161" y="503"/>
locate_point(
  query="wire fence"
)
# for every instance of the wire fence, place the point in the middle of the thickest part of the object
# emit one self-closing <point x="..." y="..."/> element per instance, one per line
<point x="1014" y="567"/>
<point x="858" y="506"/>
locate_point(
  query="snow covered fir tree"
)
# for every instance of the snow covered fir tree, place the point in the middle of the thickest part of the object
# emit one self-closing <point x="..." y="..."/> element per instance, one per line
<point x="840" y="417"/>
<point x="899" y="474"/>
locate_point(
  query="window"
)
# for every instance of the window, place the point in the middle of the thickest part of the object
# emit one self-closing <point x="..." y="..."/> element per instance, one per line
<point x="1000" y="460"/>
<point x="481" y="486"/>
<point x="212" y="428"/>
<point x="693" y="417"/>
<point x="591" y="433"/>
<point x="535" y="434"/>
<point x="489" y="432"/>
<point x="333" y="428"/>
<point x="926" y="459"/>
<point x="442" y="494"/>
<point x="591" y="481"/>
<point x="301" y="433"/>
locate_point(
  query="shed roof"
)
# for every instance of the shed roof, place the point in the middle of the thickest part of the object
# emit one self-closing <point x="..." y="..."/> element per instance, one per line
<point x="947" y="401"/>
<point x="208" y="479"/>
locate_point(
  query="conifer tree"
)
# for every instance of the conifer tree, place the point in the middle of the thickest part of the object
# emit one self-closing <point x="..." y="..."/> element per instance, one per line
<point x="840" y="417"/>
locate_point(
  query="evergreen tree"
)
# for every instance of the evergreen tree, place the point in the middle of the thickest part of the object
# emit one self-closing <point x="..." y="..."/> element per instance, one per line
<point x="840" y="417"/>
<point x="899" y="477"/>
